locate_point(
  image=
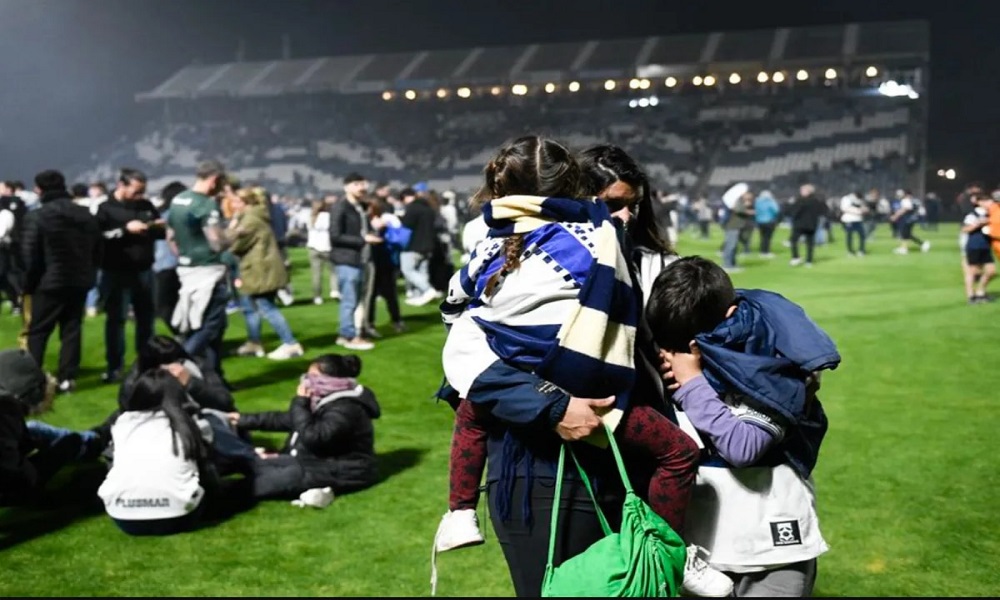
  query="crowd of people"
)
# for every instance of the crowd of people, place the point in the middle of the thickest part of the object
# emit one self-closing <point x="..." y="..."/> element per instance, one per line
<point x="573" y="325"/>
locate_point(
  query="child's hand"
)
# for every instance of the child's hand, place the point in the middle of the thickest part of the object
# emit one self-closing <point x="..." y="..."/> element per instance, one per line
<point x="680" y="367"/>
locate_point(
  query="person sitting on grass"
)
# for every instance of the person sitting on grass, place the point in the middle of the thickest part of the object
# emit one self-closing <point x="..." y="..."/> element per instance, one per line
<point x="743" y="367"/>
<point x="31" y="452"/>
<point x="161" y="479"/>
<point x="331" y="441"/>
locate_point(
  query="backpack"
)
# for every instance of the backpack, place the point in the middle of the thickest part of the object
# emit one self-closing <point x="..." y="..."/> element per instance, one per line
<point x="645" y="559"/>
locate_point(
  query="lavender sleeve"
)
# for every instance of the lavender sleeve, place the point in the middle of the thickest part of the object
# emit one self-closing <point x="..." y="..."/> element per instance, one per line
<point x="741" y="435"/>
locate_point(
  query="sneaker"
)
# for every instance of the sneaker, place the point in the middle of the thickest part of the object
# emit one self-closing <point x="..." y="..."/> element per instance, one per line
<point x="317" y="300"/>
<point x="286" y="351"/>
<point x="315" y="498"/>
<point x="458" y="529"/>
<point x="926" y="246"/>
<point x="250" y="349"/>
<point x="65" y="386"/>
<point x="286" y="297"/>
<point x="700" y="579"/>
<point x="901" y="250"/>
<point x="420" y="300"/>
<point x="795" y="262"/>
<point x="371" y="333"/>
<point x="357" y="343"/>
<point x="91" y="311"/>
<point x="232" y="307"/>
<point x="111" y="376"/>
<point x="335" y="295"/>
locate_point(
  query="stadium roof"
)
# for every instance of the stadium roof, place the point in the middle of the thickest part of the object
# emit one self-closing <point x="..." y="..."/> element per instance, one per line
<point x="903" y="43"/>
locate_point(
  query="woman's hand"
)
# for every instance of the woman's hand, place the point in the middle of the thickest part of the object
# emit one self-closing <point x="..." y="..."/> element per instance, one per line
<point x="234" y="418"/>
<point x="303" y="389"/>
<point x="583" y="416"/>
<point x="180" y="372"/>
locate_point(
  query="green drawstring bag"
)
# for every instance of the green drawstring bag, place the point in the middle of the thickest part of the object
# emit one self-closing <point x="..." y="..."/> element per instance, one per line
<point x="645" y="559"/>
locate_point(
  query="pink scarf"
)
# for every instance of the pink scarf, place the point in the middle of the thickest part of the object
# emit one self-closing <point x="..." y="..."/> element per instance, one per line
<point x="321" y="386"/>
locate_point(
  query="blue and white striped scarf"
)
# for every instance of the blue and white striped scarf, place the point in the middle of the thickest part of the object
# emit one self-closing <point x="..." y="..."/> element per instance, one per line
<point x="569" y="313"/>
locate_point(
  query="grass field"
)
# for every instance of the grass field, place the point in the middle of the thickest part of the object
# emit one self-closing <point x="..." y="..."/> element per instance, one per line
<point x="907" y="480"/>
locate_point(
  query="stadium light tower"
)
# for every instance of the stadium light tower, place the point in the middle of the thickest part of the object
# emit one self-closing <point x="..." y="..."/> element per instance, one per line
<point x="709" y="80"/>
<point x="871" y="71"/>
<point x="762" y="77"/>
<point x="696" y="80"/>
<point x="519" y="89"/>
<point x="802" y="75"/>
<point x="550" y="87"/>
<point x="442" y="93"/>
<point x="830" y="73"/>
<point x="410" y="95"/>
<point x="387" y="95"/>
<point x="609" y="84"/>
<point x="735" y="78"/>
<point x="644" y="84"/>
<point x="633" y="84"/>
<point x="574" y="86"/>
<point x="778" y="77"/>
<point x="670" y="82"/>
<point x="495" y="90"/>
<point x="463" y="92"/>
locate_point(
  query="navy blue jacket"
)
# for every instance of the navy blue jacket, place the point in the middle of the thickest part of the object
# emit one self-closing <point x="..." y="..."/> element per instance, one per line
<point x="765" y="352"/>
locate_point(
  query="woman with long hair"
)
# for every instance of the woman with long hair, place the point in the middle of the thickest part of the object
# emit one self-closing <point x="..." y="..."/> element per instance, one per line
<point x="160" y="479"/>
<point x="262" y="274"/>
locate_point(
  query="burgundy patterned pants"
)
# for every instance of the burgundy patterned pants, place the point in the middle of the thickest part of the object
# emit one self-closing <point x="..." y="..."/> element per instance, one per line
<point x="642" y="429"/>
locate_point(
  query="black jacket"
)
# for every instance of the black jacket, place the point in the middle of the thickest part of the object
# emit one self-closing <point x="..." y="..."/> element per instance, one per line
<point x="124" y="251"/>
<point x="61" y="246"/>
<point x="420" y="217"/>
<point x="17" y="474"/>
<point x="806" y="211"/>
<point x="335" y="444"/>
<point x="19" y="209"/>
<point x="347" y="242"/>
<point x="209" y="390"/>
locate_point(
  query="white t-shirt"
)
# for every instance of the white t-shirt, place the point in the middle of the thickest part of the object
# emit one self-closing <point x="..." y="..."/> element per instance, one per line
<point x="147" y="481"/>
<point x="319" y="233"/>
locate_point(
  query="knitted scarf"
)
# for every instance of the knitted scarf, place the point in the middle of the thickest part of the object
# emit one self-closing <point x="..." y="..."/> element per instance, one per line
<point x="321" y="386"/>
<point x="588" y="347"/>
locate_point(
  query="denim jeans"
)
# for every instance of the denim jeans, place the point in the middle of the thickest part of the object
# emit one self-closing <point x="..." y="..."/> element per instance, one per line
<point x="119" y="289"/>
<point x="349" y="281"/>
<point x="207" y="341"/>
<point x="255" y="306"/>
<point x="852" y="229"/>
<point x="94" y="294"/>
<point x="416" y="270"/>
<point x="43" y="435"/>
<point x="729" y="246"/>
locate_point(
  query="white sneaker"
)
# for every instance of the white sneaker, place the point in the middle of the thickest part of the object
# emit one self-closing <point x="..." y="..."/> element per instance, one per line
<point x="250" y="349"/>
<point x="700" y="579"/>
<point x="458" y="528"/>
<point x="286" y="297"/>
<point x="317" y="300"/>
<point x="901" y="250"/>
<point x="315" y="498"/>
<point x="286" y="351"/>
<point x="334" y="295"/>
<point x="926" y="246"/>
<point x="355" y="344"/>
<point x="429" y="296"/>
<point x="795" y="262"/>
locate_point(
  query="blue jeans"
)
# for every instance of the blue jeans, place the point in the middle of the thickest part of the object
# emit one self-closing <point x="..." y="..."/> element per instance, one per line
<point x="349" y="281"/>
<point x="415" y="268"/>
<point x="94" y="295"/>
<point x="43" y="435"/>
<point x="729" y="246"/>
<point x="119" y="289"/>
<point x="207" y="341"/>
<point x="253" y="307"/>
<point x="852" y="229"/>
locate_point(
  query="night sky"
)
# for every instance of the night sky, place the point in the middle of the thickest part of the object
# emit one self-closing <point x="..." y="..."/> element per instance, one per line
<point x="69" y="69"/>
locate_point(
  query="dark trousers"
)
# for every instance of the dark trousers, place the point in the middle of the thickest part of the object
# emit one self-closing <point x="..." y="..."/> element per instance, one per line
<point x="165" y="288"/>
<point x="850" y="231"/>
<point x="385" y="287"/>
<point x="10" y="276"/>
<point x="766" y="234"/>
<point x="526" y="546"/>
<point x="810" y="236"/>
<point x="62" y="307"/>
<point x="206" y="342"/>
<point x="119" y="289"/>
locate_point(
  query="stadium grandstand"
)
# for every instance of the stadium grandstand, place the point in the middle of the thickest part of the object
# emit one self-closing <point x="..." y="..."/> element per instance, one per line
<point x="841" y="105"/>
